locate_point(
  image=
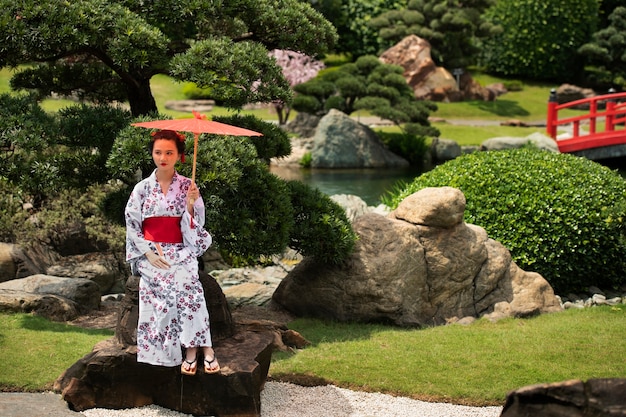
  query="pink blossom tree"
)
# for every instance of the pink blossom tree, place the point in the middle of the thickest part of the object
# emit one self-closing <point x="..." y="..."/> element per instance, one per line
<point x="297" y="69"/>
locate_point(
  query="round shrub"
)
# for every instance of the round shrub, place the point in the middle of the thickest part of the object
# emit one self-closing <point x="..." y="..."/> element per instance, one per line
<point x="549" y="50"/>
<point x="514" y="85"/>
<point x="321" y="227"/>
<point x="413" y="148"/>
<point x="253" y="217"/>
<point x="274" y="142"/>
<point x="559" y="215"/>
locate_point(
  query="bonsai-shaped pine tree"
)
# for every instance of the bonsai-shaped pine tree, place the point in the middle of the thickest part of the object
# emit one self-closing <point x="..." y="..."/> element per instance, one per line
<point x="109" y="51"/>
<point x="367" y="84"/>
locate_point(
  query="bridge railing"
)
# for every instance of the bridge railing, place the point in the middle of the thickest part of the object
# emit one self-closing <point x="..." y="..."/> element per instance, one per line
<point x="607" y="108"/>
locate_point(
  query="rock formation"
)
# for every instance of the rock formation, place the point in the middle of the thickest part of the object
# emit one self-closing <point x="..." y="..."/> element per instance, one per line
<point x="568" y="92"/>
<point x="111" y="377"/>
<point x="50" y="306"/>
<point x="539" y="140"/>
<point x="595" y="397"/>
<point x="342" y="142"/>
<point x="420" y="265"/>
<point x="56" y="298"/>
<point x="442" y="150"/>
<point x="101" y="268"/>
<point x="430" y="82"/>
<point x="16" y="262"/>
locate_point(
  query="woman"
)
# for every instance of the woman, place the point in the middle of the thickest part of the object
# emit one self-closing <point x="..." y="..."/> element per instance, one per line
<point x="164" y="236"/>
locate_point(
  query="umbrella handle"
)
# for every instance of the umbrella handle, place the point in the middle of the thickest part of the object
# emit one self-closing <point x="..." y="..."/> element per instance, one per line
<point x="195" y="156"/>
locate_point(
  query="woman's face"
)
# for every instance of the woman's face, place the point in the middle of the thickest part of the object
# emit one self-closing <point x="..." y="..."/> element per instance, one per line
<point x="165" y="154"/>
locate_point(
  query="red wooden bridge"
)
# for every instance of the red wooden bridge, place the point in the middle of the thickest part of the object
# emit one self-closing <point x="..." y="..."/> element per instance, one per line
<point x="598" y="134"/>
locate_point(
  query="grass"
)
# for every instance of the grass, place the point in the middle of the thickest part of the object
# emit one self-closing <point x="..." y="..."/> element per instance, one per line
<point x="466" y="135"/>
<point x="34" y="351"/>
<point x="476" y="364"/>
<point x="5" y="76"/>
<point x="529" y="105"/>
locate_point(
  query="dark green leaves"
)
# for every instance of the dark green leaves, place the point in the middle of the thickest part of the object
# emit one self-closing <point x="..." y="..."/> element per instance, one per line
<point x="366" y="84"/>
<point x="238" y="73"/>
<point x="108" y="51"/>
<point x="539" y="38"/>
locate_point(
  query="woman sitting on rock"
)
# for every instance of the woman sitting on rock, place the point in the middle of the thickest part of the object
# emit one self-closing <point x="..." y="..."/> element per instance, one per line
<point x="164" y="236"/>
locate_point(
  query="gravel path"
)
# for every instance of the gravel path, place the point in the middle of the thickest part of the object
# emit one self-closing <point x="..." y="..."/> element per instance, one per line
<point x="280" y="399"/>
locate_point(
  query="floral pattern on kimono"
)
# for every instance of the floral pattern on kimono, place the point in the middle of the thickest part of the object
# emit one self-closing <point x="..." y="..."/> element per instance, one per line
<point x="172" y="309"/>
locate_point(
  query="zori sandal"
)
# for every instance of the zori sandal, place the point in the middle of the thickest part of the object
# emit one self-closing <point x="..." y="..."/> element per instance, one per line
<point x="192" y="367"/>
<point x="209" y="368"/>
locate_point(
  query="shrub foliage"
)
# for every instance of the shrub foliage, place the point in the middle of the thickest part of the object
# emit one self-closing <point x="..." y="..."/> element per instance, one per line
<point x="250" y="211"/>
<point x="367" y="84"/>
<point x="559" y="215"/>
<point x="273" y="144"/>
<point x="76" y="169"/>
<point x="321" y="227"/>
<point x="539" y="38"/>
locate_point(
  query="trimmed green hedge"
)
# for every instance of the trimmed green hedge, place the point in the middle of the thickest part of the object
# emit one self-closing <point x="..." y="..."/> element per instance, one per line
<point x="548" y="51"/>
<point x="559" y="215"/>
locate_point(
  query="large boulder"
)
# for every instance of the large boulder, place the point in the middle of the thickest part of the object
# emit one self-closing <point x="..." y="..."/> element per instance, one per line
<point x="83" y="292"/>
<point x="443" y="150"/>
<point x="36" y="279"/>
<point x="595" y="397"/>
<point x="428" y="81"/>
<point x="567" y="93"/>
<point x="342" y="142"/>
<point x="420" y="265"/>
<point x="414" y="55"/>
<point x="111" y="377"/>
<point x="19" y="262"/>
<point x="50" y="306"/>
<point x="100" y="267"/>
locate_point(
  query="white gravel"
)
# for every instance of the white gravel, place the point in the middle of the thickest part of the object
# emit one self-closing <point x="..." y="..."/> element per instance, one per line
<point x="280" y="399"/>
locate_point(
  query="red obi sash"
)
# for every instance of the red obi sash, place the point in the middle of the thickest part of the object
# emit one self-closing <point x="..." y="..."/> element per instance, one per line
<point x="164" y="229"/>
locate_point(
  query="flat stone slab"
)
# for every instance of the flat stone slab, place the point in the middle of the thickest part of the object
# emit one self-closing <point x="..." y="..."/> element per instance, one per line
<point x="34" y="404"/>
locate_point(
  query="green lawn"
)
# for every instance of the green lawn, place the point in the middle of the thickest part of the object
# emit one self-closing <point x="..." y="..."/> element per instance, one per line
<point x="475" y="135"/>
<point x="35" y="351"/>
<point x="475" y="364"/>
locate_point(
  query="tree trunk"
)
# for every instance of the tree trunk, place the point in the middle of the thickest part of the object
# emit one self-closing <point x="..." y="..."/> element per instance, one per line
<point x="140" y="98"/>
<point x="283" y="113"/>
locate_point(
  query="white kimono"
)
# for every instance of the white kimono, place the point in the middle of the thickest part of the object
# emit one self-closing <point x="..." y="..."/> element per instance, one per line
<point x="172" y="309"/>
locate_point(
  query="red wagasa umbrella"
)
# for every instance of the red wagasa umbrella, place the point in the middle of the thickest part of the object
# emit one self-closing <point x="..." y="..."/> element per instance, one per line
<point x="197" y="125"/>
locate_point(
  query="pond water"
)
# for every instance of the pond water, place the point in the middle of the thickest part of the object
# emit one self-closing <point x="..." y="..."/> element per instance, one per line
<point x="369" y="184"/>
